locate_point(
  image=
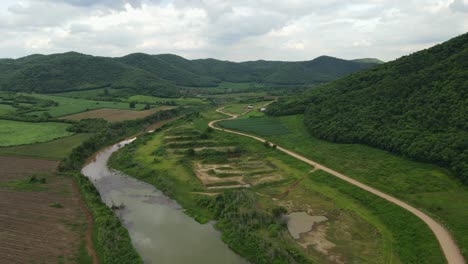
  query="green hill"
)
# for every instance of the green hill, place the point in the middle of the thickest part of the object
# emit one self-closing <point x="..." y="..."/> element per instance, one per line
<point x="158" y="74"/>
<point x="74" y="71"/>
<point x="416" y="106"/>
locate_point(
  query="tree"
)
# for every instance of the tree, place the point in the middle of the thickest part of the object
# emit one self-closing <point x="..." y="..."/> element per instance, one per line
<point x="132" y="104"/>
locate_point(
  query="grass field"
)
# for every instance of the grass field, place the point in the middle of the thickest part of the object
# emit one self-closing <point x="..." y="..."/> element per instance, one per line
<point x="261" y="126"/>
<point x="20" y="133"/>
<point x="6" y="109"/>
<point x="67" y="106"/>
<point x="116" y="115"/>
<point x="158" y="100"/>
<point x="426" y="186"/>
<point x="52" y="150"/>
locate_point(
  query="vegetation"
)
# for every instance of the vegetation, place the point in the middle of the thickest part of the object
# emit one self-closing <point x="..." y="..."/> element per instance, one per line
<point x="20" y="133"/>
<point x="34" y="183"/>
<point x="261" y="126"/>
<point x="67" y="106"/>
<point x="158" y="75"/>
<point x="54" y="150"/>
<point x="426" y="186"/>
<point x="111" y="240"/>
<point x="414" y="106"/>
<point x="247" y="217"/>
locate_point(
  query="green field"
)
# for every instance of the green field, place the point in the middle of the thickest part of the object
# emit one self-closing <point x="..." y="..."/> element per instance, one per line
<point x="6" y="109"/>
<point x="158" y="100"/>
<point x="20" y="133"/>
<point x="54" y="150"/>
<point x="68" y="106"/>
<point x="261" y="126"/>
<point x="426" y="186"/>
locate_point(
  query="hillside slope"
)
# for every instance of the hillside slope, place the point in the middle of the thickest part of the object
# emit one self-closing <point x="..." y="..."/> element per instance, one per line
<point x="159" y="74"/>
<point x="416" y="106"/>
<point x="75" y="71"/>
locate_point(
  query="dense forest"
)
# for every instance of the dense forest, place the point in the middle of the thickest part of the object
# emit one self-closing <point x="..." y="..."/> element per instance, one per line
<point x="161" y="75"/>
<point x="416" y="106"/>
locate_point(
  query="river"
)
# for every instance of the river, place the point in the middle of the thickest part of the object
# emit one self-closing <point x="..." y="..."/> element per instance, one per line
<point x="160" y="231"/>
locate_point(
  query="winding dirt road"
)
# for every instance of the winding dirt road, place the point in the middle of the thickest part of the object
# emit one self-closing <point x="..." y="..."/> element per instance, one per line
<point x="449" y="247"/>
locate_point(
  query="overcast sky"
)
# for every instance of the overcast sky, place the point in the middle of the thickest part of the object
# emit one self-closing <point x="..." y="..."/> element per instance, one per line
<point x="232" y="30"/>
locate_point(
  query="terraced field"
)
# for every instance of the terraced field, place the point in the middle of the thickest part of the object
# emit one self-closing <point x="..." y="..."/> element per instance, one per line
<point x="39" y="222"/>
<point x="237" y="171"/>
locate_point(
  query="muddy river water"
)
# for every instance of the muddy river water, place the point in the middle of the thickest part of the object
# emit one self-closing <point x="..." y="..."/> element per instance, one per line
<point x="160" y="230"/>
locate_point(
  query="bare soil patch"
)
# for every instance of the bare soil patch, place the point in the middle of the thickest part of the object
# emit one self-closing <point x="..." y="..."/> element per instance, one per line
<point x="31" y="230"/>
<point x="16" y="168"/>
<point x="116" y="115"/>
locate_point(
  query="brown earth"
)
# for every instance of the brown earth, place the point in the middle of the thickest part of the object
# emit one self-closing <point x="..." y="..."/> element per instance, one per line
<point x="16" y="168"/>
<point x="32" y="231"/>
<point x="116" y="115"/>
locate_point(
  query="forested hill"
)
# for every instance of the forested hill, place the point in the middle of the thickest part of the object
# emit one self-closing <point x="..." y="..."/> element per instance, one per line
<point x="161" y="74"/>
<point x="416" y="106"/>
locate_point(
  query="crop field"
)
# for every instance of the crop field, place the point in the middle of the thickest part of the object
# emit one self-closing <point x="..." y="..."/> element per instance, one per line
<point x="261" y="126"/>
<point x="67" y="106"/>
<point x="353" y="230"/>
<point x="426" y="186"/>
<point x="116" y="115"/>
<point x="40" y="220"/>
<point x="20" y="133"/>
<point x="145" y="99"/>
<point x="53" y="150"/>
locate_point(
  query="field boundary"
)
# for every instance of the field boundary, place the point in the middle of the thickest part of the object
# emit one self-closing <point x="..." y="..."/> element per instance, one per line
<point x="449" y="247"/>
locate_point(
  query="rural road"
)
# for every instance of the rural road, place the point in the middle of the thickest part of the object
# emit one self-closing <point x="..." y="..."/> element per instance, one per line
<point x="449" y="247"/>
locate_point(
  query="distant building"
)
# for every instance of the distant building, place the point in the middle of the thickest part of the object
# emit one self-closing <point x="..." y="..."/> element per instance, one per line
<point x="263" y="109"/>
<point x="250" y="107"/>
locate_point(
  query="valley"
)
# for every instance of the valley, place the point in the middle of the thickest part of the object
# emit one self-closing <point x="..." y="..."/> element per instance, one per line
<point x="161" y="158"/>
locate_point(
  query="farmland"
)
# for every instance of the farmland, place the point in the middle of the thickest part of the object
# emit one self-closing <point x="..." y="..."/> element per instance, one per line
<point x="53" y="150"/>
<point x="115" y="115"/>
<point x="426" y="186"/>
<point x="40" y="220"/>
<point x="20" y="133"/>
<point x="260" y="126"/>
<point x="67" y="106"/>
<point x="145" y="99"/>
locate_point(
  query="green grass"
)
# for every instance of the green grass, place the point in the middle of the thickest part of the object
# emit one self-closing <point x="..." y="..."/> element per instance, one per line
<point x="20" y="133"/>
<point x="68" y="106"/>
<point x="24" y="185"/>
<point x="54" y="150"/>
<point x="6" y="109"/>
<point x="426" y="186"/>
<point x="158" y="100"/>
<point x="261" y="126"/>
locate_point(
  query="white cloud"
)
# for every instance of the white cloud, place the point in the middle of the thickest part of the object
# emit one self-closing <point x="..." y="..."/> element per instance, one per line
<point x="237" y="30"/>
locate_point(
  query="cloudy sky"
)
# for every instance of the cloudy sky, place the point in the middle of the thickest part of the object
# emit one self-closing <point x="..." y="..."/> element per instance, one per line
<point x="233" y="30"/>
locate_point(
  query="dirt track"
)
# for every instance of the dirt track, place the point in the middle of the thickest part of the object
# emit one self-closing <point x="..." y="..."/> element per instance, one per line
<point x="449" y="247"/>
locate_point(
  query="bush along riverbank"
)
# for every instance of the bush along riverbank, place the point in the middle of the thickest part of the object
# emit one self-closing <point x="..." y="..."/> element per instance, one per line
<point x="111" y="240"/>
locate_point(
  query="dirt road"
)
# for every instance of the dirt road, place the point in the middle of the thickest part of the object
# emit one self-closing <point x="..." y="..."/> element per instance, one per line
<point x="449" y="247"/>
